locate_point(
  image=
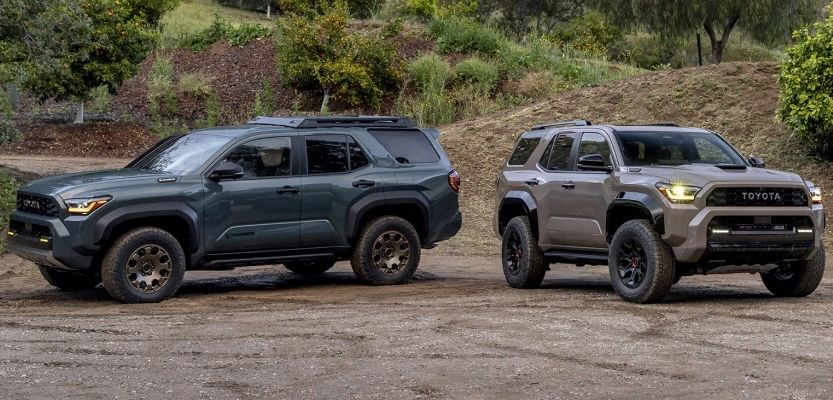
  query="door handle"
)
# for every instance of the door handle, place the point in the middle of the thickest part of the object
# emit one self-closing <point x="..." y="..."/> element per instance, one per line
<point x="363" y="183"/>
<point x="532" y="182"/>
<point x="288" y="189"/>
<point x="569" y="186"/>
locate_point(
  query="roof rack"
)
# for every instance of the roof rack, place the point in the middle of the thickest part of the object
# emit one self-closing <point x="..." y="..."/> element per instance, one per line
<point x="560" y="124"/>
<point x="365" y="121"/>
<point x="662" y="124"/>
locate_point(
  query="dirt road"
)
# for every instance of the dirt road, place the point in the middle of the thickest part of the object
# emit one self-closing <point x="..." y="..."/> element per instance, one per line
<point x="456" y="331"/>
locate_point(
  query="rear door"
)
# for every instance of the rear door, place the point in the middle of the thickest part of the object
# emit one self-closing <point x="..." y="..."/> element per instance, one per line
<point x="551" y="192"/>
<point x="338" y="173"/>
<point x="585" y="203"/>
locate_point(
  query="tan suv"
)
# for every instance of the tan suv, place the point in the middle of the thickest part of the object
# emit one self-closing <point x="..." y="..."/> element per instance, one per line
<point x="654" y="203"/>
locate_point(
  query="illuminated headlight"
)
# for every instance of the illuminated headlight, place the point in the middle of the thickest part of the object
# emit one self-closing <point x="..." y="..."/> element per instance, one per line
<point x="678" y="193"/>
<point x="85" y="206"/>
<point x="815" y="195"/>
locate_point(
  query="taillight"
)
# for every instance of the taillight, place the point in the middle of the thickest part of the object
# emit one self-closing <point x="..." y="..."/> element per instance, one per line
<point x="454" y="181"/>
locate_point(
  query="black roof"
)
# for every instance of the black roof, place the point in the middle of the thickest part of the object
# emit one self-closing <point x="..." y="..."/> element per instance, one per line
<point x="364" y="121"/>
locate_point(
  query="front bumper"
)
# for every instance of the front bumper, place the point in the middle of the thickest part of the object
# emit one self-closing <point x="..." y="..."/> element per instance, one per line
<point x="45" y="241"/>
<point x="687" y="231"/>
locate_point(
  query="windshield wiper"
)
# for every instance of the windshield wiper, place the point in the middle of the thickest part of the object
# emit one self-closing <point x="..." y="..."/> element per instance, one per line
<point x="730" y="166"/>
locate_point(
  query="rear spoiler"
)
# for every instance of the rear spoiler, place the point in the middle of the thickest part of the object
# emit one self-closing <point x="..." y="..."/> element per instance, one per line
<point x="434" y="132"/>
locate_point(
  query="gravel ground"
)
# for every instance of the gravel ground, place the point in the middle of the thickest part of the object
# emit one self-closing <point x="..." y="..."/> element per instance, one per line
<point x="456" y="331"/>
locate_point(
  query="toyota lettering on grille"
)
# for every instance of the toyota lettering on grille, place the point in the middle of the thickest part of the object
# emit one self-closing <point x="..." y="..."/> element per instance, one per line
<point x="32" y="204"/>
<point x="765" y="196"/>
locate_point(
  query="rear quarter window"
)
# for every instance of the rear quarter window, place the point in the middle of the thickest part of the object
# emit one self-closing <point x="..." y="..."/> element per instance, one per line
<point x="407" y="147"/>
<point x="523" y="150"/>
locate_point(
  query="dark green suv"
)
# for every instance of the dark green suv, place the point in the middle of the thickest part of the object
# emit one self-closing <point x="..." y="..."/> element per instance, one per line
<point x="304" y="192"/>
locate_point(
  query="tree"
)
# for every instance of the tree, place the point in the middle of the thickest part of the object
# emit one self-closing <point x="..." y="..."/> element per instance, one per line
<point x="63" y="49"/>
<point x="766" y="20"/>
<point x="316" y="52"/>
<point x="518" y="16"/>
<point x="806" y="87"/>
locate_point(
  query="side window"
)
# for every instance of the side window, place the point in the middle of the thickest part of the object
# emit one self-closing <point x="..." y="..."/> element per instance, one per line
<point x="326" y="154"/>
<point x="264" y="157"/>
<point x="594" y="143"/>
<point x="557" y="157"/>
<point x="709" y="153"/>
<point x="523" y="150"/>
<point x="407" y="146"/>
<point x="357" y="157"/>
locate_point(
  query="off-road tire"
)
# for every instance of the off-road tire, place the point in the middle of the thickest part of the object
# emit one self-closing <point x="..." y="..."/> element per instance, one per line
<point x="806" y="276"/>
<point x="68" y="281"/>
<point x="114" y="266"/>
<point x="313" y="267"/>
<point x="659" y="263"/>
<point x="363" y="262"/>
<point x="527" y="269"/>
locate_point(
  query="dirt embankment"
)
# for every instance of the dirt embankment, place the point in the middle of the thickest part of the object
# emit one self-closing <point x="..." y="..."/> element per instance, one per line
<point x="735" y="99"/>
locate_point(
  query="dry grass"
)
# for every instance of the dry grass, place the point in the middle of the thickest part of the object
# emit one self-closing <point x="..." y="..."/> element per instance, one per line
<point x="734" y="99"/>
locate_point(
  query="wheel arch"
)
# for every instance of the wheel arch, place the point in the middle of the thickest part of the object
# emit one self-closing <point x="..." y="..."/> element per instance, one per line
<point x="633" y="205"/>
<point x="409" y="205"/>
<point x="177" y="219"/>
<point x="514" y="204"/>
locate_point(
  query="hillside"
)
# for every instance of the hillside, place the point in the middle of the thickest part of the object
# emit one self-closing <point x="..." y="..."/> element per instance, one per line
<point x="736" y="99"/>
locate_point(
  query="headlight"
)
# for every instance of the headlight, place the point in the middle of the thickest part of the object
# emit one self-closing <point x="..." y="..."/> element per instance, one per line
<point x="815" y="195"/>
<point x="678" y="193"/>
<point x="85" y="206"/>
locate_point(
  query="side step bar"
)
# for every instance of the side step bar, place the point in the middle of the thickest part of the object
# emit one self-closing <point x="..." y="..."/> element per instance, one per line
<point x="577" y="257"/>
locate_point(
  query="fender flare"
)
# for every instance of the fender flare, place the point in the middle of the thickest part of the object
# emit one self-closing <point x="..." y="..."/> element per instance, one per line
<point x="376" y="200"/>
<point x="525" y="200"/>
<point x="642" y="201"/>
<point x="105" y="225"/>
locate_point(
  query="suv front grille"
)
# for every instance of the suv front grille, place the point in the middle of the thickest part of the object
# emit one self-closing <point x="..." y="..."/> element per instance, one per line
<point x="757" y="197"/>
<point x="36" y="205"/>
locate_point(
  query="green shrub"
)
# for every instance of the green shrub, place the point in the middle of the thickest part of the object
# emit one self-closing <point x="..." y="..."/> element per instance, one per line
<point x="429" y="108"/>
<point x="463" y="35"/>
<point x="317" y="52"/>
<point x="195" y="84"/>
<point x="8" y="202"/>
<point x="429" y="73"/>
<point x="477" y="73"/>
<point x="212" y="112"/>
<point x="221" y="29"/>
<point x="424" y="9"/>
<point x="8" y="132"/>
<point x="807" y="87"/>
<point x="646" y="50"/>
<point x="471" y="101"/>
<point x="161" y="95"/>
<point x="264" y="101"/>
<point x="99" y="99"/>
<point x="536" y="85"/>
<point x="590" y="34"/>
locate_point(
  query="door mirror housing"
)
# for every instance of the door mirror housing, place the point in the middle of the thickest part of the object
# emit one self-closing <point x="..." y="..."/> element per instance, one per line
<point x="227" y="170"/>
<point x="756" y="162"/>
<point x="593" y="162"/>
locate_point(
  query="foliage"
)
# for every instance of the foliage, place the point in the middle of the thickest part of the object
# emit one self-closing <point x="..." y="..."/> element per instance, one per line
<point x="536" y="85"/>
<point x="194" y="16"/>
<point x="591" y="33"/>
<point x="8" y="202"/>
<point x="64" y="49"/>
<point x="421" y="8"/>
<point x="264" y="101"/>
<point x="521" y="16"/>
<point x="195" y="84"/>
<point x="317" y="52"/>
<point x="463" y="35"/>
<point x="99" y="99"/>
<point x="161" y="93"/>
<point x="427" y="9"/>
<point x="221" y="29"/>
<point x="807" y="87"/>
<point x="429" y="73"/>
<point x="646" y="50"/>
<point x="765" y="20"/>
<point x="8" y="132"/>
<point x="212" y="112"/>
<point x="429" y="108"/>
<point x="478" y="74"/>
<point x="357" y="8"/>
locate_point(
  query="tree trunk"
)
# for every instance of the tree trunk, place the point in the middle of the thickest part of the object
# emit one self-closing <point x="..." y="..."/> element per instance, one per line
<point x="325" y="103"/>
<point x="79" y="117"/>
<point x="718" y="44"/>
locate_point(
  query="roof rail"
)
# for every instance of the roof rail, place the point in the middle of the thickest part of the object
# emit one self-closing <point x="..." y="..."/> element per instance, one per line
<point x="366" y="121"/>
<point x="560" y="124"/>
<point x="662" y="124"/>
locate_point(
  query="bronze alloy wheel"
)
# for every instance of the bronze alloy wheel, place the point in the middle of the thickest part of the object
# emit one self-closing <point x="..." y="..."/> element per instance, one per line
<point x="391" y="251"/>
<point x="148" y="268"/>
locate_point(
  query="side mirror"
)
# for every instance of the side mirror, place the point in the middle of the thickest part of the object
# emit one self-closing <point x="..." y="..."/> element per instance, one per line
<point x="756" y="162"/>
<point x="593" y="162"/>
<point x="226" y="170"/>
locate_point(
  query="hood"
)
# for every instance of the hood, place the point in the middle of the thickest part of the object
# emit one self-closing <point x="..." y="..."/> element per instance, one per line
<point x="90" y="183"/>
<point x="703" y="174"/>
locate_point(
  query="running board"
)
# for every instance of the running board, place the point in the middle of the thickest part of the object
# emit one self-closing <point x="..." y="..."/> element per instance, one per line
<point x="576" y="257"/>
<point x="230" y="263"/>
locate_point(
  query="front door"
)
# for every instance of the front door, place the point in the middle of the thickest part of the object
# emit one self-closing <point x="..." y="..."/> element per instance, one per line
<point x="259" y="211"/>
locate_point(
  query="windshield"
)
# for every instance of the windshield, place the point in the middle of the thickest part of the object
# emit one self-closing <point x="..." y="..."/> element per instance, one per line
<point x="182" y="156"/>
<point x="676" y="148"/>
